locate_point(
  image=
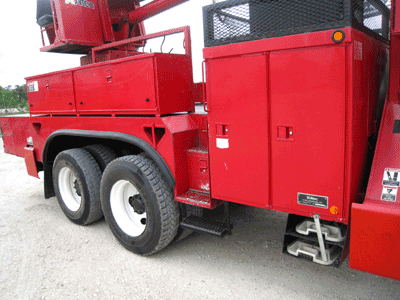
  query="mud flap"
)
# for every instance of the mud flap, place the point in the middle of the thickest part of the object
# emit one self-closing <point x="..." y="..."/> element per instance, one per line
<point x="30" y="161"/>
<point x="374" y="238"/>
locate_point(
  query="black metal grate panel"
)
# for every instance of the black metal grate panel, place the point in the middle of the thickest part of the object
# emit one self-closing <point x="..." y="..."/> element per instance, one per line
<point x="245" y="20"/>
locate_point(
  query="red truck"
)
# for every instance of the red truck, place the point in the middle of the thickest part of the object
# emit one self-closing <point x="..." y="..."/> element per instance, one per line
<point x="298" y="112"/>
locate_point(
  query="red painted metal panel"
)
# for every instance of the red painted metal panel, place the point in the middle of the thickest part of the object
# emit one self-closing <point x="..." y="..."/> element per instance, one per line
<point x="8" y="143"/>
<point x="199" y="171"/>
<point x="374" y="242"/>
<point x="202" y="122"/>
<point x="107" y="56"/>
<point x="78" y="23"/>
<point x="51" y="94"/>
<point x="374" y="56"/>
<point x="128" y="125"/>
<point x="179" y="123"/>
<point x="30" y="161"/>
<point x="6" y="125"/>
<point x="184" y="136"/>
<point x="394" y="85"/>
<point x="7" y="134"/>
<point x="308" y="94"/>
<point x="21" y="129"/>
<point x="182" y="141"/>
<point x="312" y="39"/>
<point x="238" y="99"/>
<point x="15" y="133"/>
<point x="357" y="120"/>
<point x="387" y="154"/>
<point x="198" y="92"/>
<point x="105" y="20"/>
<point x="396" y="17"/>
<point x="127" y="87"/>
<point x="365" y="57"/>
<point x="174" y="83"/>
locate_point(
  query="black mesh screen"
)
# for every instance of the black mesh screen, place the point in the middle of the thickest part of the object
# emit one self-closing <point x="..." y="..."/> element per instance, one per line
<point x="245" y="20"/>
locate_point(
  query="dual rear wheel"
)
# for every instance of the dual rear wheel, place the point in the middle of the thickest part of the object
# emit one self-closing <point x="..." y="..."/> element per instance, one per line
<point x="135" y="199"/>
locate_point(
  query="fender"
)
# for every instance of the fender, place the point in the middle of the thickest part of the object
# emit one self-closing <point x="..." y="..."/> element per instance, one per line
<point x="123" y="137"/>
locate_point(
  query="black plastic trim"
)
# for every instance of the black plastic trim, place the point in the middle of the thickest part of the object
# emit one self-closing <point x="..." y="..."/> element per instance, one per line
<point x="123" y="137"/>
<point x="396" y="127"/>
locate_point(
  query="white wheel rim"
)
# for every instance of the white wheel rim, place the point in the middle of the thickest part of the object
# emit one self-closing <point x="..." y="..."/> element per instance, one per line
<point x="130" y="222"/>
<point x="67" y="183"/>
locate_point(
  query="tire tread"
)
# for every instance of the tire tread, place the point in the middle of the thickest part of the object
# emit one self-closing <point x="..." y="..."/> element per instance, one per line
<point x="102" y="154"/>
<point x="92" y="175"/>
<point x="169" y="209"/>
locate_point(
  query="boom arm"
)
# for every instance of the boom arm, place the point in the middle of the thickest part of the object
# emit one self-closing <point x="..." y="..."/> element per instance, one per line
<point x="151" y="9"/>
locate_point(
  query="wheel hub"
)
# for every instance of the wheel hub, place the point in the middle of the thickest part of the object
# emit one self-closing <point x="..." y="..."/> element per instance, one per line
<point x="77" y="188"/>
<point x="128" y="208"/>
<point x="137" y="204"/>
<point x="70" y="190"/>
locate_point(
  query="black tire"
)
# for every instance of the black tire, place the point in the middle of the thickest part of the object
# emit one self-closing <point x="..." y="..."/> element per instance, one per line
<point x="102" y="154"/>
<point x="154" y="222"/>
<point x="76" y="178"/>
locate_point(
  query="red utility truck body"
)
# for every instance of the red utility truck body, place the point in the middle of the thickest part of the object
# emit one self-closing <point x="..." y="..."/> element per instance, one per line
<point x="289" y="119"/>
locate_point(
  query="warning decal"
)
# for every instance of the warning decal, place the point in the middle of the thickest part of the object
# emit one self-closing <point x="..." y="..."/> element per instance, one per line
<point x="312" y="200"/>
<point x="33" y="86"/>
<point x="391" y="177"/>
<point x="358" y="51"/>
<point x="389" y="193"/>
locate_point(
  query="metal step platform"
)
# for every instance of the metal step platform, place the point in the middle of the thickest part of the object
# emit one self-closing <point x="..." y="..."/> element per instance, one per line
<point x="319" y="241"/>
<point x="198" y="199"/>
<point x="312" y="251"/>
<point x="330" y="233"/>
<point x="209" y="226"/>
<point x="202" y="225"/>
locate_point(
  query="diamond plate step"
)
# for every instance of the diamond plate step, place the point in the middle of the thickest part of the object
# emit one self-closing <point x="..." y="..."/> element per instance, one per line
<point x="198" y="199"/>
<point x="198" y="224"/>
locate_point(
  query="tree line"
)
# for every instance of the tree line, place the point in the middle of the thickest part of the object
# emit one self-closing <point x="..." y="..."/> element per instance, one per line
<point x="16" y="97"/>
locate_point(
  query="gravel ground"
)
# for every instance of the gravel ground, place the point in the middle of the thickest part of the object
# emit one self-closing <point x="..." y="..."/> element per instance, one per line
<point x="9" y="110"/>
<point x="45" y="256"/>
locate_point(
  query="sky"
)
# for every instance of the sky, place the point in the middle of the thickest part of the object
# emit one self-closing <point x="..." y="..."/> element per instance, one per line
<point x="21" y="41"/>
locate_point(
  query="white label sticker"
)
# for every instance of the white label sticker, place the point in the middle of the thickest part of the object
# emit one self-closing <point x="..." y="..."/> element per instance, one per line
<point x="391" y="177"/>
<point x="33" y="86"/>
<point x="358" y="55"/>
<point x="389" y="193"/>
<point x="222" y="143"/>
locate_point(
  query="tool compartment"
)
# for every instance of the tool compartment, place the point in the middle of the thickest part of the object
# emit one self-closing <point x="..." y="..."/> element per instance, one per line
<point x="145" y="84"/>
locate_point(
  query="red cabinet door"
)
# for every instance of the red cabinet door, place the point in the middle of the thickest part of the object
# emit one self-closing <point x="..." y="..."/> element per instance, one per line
<point x="127" y="87"/>
<point x="51" y="94"/>
<point x="238" y="126"/>
<point x="308" y="97"/>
